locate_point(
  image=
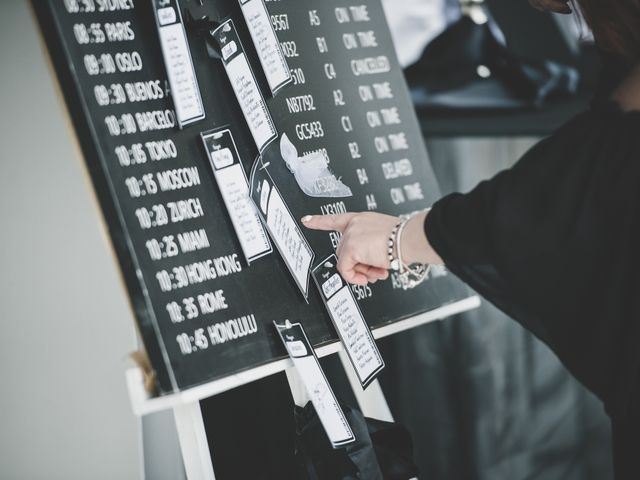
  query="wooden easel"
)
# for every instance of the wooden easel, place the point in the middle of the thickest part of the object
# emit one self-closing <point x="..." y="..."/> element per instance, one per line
<point x="186" y="404"/>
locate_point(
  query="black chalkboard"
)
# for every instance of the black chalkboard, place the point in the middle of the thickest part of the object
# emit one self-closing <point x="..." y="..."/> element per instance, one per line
<point x="170" y="230"/>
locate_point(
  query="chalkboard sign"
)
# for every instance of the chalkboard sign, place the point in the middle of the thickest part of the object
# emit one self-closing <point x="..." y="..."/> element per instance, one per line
<point x="175" y="102"/>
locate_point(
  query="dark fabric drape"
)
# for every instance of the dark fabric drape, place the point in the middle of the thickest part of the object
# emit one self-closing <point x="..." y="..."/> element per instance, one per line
<point x="381" y="450"/>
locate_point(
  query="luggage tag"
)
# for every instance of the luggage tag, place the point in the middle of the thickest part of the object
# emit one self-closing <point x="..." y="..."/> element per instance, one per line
<point x="252" y="103"/>
<point x="234" y="187"/>
<point x="350" y="324"/>
<point x="308" y="367"/>
<point x="266" y="43"/>
<point x="281" y="225"/>
<point x="178" y="63"/>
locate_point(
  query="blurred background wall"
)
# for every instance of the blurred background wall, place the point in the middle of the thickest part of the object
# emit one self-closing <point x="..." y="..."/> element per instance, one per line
<point x="65" y="326"/>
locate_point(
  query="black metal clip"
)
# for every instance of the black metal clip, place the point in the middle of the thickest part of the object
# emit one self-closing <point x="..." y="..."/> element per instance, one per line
<point x="202" y="27"/>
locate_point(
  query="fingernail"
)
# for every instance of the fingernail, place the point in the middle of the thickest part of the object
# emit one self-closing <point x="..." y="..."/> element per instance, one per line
<point x="306" y="218"/>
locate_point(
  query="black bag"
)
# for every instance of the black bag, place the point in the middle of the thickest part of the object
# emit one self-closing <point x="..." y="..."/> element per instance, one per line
<point x="382" y="450"/>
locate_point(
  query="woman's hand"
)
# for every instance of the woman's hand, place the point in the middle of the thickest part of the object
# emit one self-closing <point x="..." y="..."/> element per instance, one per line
<point x="557" y="6"/>
<point x="362" y="252"/>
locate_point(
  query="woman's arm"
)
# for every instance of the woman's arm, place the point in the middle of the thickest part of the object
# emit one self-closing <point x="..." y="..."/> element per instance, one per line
<point x="362" y="252"/>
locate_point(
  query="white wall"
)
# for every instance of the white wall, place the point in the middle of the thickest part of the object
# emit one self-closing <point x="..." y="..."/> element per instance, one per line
<point x="65" y="326"/>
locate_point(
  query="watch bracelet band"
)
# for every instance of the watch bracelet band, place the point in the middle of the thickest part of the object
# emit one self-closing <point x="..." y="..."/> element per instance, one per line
<point x="409" y="276"/>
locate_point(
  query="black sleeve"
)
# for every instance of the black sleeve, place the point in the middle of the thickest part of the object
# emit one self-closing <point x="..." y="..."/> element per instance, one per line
<point x="553" y="243"/>
<point x="490" y="235"/>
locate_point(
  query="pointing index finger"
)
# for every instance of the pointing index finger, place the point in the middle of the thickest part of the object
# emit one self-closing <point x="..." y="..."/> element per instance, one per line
<point x="327" y="222"/>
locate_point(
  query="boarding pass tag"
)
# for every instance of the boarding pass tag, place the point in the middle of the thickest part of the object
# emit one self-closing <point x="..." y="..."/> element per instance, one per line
<point x="350" y="324"/>
<point x="281" y="225"/>
<point x="308" y="367"/>
<point x="178" y="63"/>
<point x="266" y="43"/>
<point x="252" y="103"/>
<point x="234" y="187"/>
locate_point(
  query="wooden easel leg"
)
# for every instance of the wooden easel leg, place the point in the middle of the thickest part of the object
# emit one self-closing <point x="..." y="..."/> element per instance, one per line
<point x="371" y="401"/>
<point x="193" y="442"/>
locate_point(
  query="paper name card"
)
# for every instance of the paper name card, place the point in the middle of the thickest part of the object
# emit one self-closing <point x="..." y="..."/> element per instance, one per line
<point x="266" y="43"/>
<point x="252" y="103"/>
<point x="350" y="324"/>
<point x="281" y="225"/>
<point x="234" y="187"/>
<point x="308" y="367"/>
<point x="178" y="63"/>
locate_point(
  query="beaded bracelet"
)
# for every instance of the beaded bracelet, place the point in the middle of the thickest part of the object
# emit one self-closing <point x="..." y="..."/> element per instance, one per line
<point x="394" y="263"/>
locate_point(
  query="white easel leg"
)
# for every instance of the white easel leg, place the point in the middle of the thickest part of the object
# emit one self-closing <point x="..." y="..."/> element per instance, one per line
<point x="371" y="401"/>
<point x="193" y="442"/>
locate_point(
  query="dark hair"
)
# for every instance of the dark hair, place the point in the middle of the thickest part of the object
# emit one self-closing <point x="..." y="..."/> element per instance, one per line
<point x="615" y="25"/>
